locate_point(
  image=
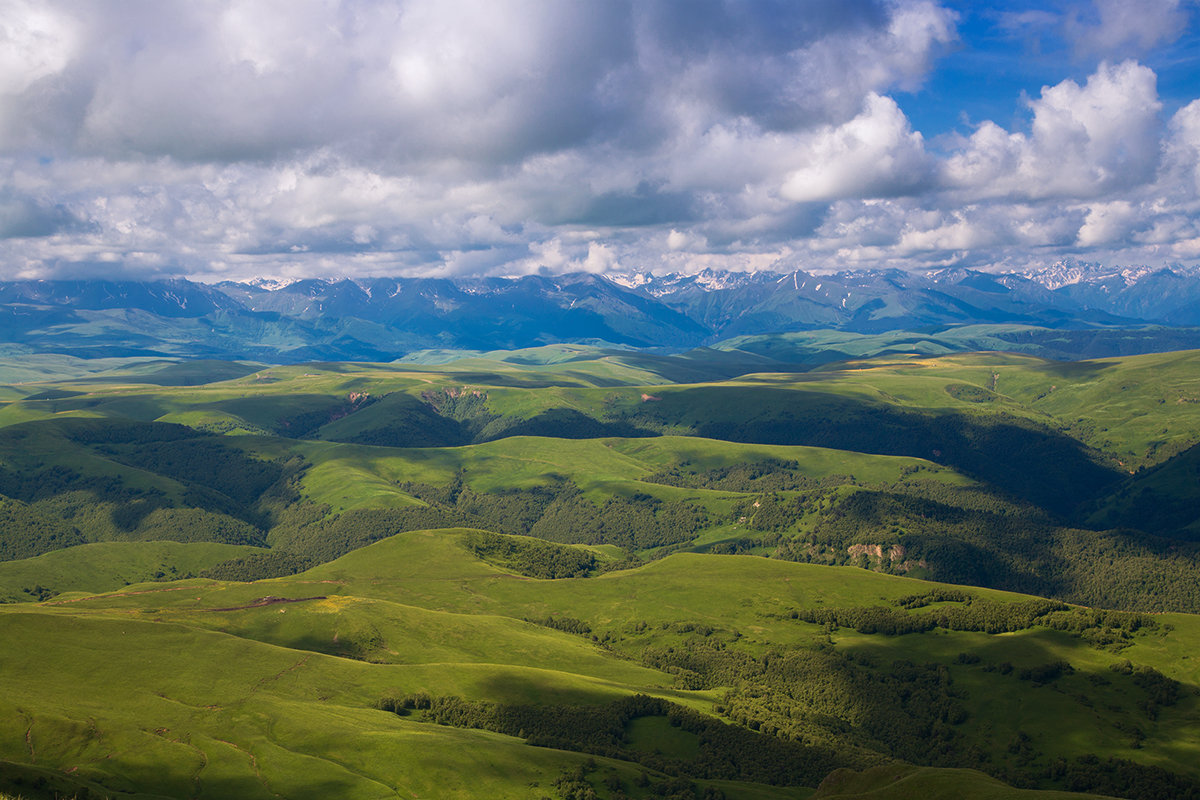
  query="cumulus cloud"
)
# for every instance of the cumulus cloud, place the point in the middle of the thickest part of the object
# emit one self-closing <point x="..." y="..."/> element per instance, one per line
<point x="688" y="242"/>
<point x="1108" y="222"/>
<point x="873" y="155"/>
<point x="363" y="137"/>
<point x="1183" y="146"/>
<point x="398" y="83"/>
<point x="429" y="130"/>
<point x="1084" y="140"/>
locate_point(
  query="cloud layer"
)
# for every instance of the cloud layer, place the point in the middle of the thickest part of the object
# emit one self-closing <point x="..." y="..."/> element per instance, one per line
<point x="317" y="137"/>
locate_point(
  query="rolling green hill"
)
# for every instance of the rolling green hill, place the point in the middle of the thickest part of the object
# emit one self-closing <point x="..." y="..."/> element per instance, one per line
<point x="274" y="687"/>
<point x="105" y="566"/>
<point x="570" y="569"/>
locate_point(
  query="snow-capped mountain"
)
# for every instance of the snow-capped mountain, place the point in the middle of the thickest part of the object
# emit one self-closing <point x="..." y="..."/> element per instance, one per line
<point x="1070" y="273"/>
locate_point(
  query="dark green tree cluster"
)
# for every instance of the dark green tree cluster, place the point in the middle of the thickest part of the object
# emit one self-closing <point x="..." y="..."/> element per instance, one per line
<point x="198" y="525"/>
<point x="939" y="595"/>
<point x="977" y="614"/>
<point x="559" y="512"/>
<point x="781" y="512"/>
<point x="1118" y="777"/>
<point x="574" y="784"/>
<point x="309" y="531"/>
<point x="39" y="593"/>
<point x="1102" y="628"/>
<point x="970" y="393"/>
<point x="257" y="566"/>
<point x="990" y="616"/>
<point x="1041" y="674"/>
<point x="1160" y="690"/>
<point x="39" y="484"/>
<point x="563" y="623"/>
<point x="24" y="533"/>
<point x="864" y="619"/>
<point x="818" y="695"/>
<point x="122" y="431"/>
<point x="209" y="463"/>
<point x="745" y="544"/>
<point x="767" y="475"/>
<point x="634" y="523"/>
<point x="530" y="557"/>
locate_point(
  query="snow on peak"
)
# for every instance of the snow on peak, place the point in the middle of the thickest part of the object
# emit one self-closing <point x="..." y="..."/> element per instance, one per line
<point x="631" y="280"/>
<point x="713" y="280"/>
<point x="270" y="284"/>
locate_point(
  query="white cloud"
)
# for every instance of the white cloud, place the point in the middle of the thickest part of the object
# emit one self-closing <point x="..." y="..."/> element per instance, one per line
<point x="1084" y="141"/>
<point x="678" y="241"/>
<point x="35" y="42"/>
<point x="445" y="137"/>
<point x="1120" y="27"/>
<point x="1183" y="147"/>
<point x="873" y="155"/>
<point x="600" y="259"/>
<point x="1108" y="222"/>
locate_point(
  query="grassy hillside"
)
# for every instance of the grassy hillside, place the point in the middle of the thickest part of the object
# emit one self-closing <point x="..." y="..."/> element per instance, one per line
<point x="105" y="566"/>
<point x="1162" y="499"/>
<point x="912" y="783"/>
<point x="567" y="570"/>
<point x="924" y="458"/>
<point x="272" y="688"/>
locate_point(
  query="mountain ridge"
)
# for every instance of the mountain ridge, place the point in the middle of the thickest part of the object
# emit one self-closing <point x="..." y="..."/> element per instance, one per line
<point x="386" y="318"/>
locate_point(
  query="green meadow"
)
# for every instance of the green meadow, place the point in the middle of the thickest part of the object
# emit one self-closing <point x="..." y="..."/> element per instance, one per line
<point x="201" y="688"/>
<point x="573" y="572"/>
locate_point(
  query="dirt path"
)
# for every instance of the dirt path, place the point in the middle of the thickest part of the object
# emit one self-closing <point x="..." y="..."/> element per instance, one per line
<point x="29" y="742"/>
<point x="267" y="601"/>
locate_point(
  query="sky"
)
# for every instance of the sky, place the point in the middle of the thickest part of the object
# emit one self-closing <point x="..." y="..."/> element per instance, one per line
<point x="224" y="139"/>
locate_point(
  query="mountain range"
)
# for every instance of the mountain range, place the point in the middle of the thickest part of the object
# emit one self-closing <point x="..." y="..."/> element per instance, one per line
<point x="386" y="318"/>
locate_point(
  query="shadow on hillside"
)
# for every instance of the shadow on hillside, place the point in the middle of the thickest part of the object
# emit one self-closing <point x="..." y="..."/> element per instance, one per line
<point x="1025" y="459"/>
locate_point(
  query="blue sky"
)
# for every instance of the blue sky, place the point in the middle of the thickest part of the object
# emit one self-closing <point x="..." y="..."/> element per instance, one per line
<point x="1011" y="50"/>
<point x="329" y="138"/>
